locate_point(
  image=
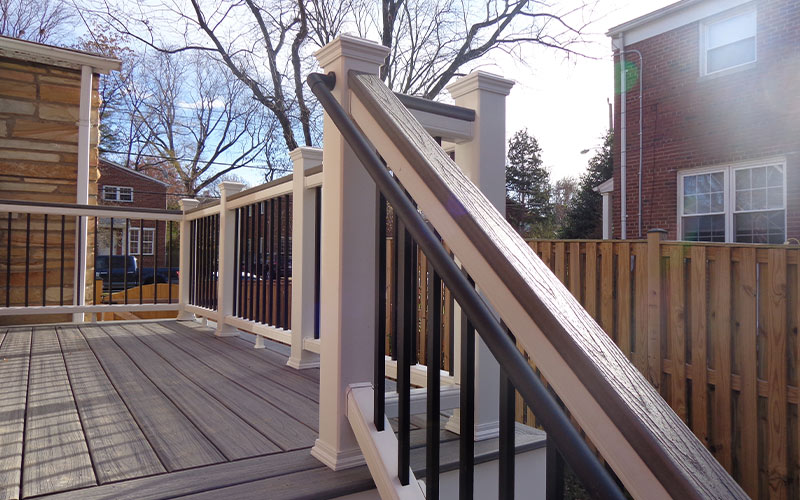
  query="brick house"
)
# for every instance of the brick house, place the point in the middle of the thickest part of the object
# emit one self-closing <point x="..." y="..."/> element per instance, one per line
<point x="707" y="125"/>
<point x="48" y="153"/>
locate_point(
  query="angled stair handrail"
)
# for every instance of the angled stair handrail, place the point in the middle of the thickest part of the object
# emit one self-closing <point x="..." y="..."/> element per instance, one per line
<point x="642" y="428"/>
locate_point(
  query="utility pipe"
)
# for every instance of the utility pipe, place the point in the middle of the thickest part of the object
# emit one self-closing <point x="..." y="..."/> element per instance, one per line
<point x="641" y="125"/>
<point x="623" y="202"/>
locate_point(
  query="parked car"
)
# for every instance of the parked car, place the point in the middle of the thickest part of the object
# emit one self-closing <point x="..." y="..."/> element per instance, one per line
<point x="159" y="275"/>
<point x="120" y="274"/>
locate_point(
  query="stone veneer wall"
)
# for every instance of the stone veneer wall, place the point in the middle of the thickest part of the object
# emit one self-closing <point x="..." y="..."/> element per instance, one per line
<point x="39" y="107"/>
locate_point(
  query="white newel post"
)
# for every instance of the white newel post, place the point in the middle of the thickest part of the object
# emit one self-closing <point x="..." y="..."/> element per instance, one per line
<point x="303" y="265"/>
<point x="483" y="160"/>
<point x="347" y="312"/>
<point x="226" y="271"/>
<point x="183" y="263"/>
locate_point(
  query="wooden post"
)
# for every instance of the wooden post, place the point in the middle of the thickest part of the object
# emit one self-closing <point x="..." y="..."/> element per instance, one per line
<point x="347" y="296"/>
<point x="226" y="271"/>
<point x="183" y="264"/>
<point x="303" y="255"/>
<point x="654" y="238"/>
<point x="483" y="161"/>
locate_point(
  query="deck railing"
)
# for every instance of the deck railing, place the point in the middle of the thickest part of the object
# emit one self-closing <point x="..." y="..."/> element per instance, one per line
<point x="649" y="448"/>
<point x="79" y="259"/>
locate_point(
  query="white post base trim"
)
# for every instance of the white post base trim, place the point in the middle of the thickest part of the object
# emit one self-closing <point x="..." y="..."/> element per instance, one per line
<point x="484" y="431"/>
<point x="259" y="343"/>
<point x="337" y="461"/>
<point x="306" y="360"/>
<point x="186" y="316"/>
<point x="224" y="330"/>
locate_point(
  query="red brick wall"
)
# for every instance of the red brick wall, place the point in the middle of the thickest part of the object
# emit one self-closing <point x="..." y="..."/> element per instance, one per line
<point x="146" y="193"/>
<point x="692" y="121"/>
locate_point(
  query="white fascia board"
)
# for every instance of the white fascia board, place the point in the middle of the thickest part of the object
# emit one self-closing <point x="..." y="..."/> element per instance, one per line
<point x="669" y="18"/>
<point x="606" y="186"/>
<point x="56" y="56"/>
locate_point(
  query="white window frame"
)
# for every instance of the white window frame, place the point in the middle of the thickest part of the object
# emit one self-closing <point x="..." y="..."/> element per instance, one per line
<point x="138" y="240"/>
<point x="728" y="170"/>
<point x="704" y="26"/>
<point x="117" y="193"/>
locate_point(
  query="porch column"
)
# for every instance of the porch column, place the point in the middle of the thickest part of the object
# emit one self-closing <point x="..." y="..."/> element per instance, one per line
<point x="226" y="271"/>
<point x="303" y="256"/>
<point x="183" y="263"/>
<point x="84" y="155"/>
<point x="347" y="309"/>
<point x="483" y="160"/>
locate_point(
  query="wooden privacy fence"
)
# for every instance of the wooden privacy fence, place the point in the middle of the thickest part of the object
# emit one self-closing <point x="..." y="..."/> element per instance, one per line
<point x="714" y="327"/>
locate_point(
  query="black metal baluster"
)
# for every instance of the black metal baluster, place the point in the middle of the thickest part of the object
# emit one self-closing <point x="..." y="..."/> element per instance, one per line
<point x="94" y="285"/>
<point x="8" y="261"/>
<point x="396" y="285"/>
<point x="287" y="249"/>
<point x="415" y="304"/>
<point x="404" y="332"/>
<point x="200" y="244"/>
<point x="257" y="252"/>
<point x="44" y="266"/>
<point x="271" y="261"/>
<point x="215" y="283"/>
<point x="63" y="231"/>
<point x="155" y="263"/>
<point x="192" y="260"/>
<point x="277" y="262"/>
<point x="251" y="264"/>
<point x="466" y="469"/>
<point x="554" y="472"/>
<point x="168" y="228"/>
<point x="318" y="255"/>
<point x="206" y="262"/>
<point x="434" y="356"/>
<point x="27" y="254"/>
<point x="236" y="260"/>
<point x="127" y="244"/>
<point x="262" y="246"/>
<point x="379" y="378"/>
<point x="141" y="260"/>
<point x="507" y="441"/>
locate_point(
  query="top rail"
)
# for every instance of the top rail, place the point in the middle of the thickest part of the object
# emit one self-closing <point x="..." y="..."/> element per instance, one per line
<point x="436" y="108"/>
<point x="567" y="344"/>
<point x="73" y="209"/>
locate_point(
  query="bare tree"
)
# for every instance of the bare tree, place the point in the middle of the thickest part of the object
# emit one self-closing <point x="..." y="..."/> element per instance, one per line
<point x="266" y="44"/>
<point x="38" y="21"/>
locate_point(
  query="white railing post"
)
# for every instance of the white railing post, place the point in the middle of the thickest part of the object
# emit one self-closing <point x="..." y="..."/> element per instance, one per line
<point x="303" y="255"/>
<point x="347" y="309"/>
<point x="483" y="160"/>
<point x="226" y="271"/>
<point x="183" y="265"/>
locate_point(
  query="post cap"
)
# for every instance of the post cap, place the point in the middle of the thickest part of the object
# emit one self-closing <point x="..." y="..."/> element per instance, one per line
<point x="480" y="80"/>
<point x="352" y="47"/>
<point x="188" y="203"/>
<point x="227" y="188"/>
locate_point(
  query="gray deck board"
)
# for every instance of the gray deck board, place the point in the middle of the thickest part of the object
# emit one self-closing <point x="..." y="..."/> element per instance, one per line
<point x="265" y="361"/>
<point x="14" y="361"/>
<point x="117" y="446"/>
<point x="316" y="484"/>
<point x="233" y="436"/>
<point x="56" y="457"/>
<point x="277" y="425"/>
<point x="269" y="386"/>
<point x="178" y="443"/>
<point x="198" y="480"/>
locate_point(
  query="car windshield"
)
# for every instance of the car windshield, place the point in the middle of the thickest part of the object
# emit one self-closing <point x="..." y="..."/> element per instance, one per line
<point x="117" y="261"/>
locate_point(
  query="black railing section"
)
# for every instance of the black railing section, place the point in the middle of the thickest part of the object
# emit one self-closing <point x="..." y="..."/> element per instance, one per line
<point x="204" y="261"/>
<point x="263" y="262"/>
<point x="410" y="228"/>
<point x="41" y="251"/>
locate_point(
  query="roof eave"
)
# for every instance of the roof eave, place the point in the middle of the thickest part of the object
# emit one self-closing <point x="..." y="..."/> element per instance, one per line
<point x="649" y="17"/>
<point x="56" y="56"/>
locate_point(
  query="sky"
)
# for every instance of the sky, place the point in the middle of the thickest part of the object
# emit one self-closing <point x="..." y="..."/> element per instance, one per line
<point x="563" y="102"/>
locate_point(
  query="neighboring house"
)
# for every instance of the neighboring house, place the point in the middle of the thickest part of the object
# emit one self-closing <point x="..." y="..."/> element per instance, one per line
<point x="127" y="188"/>
<point x="48" y="153"/>
<point x="718" y="143"/>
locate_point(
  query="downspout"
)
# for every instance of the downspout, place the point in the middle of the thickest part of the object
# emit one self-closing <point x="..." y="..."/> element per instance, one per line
<point x="623" y="140"/>
<point x="641" y="128"/>
<point x="84" y="140"/>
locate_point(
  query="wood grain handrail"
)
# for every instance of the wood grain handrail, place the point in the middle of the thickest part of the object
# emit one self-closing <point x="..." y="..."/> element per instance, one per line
<point x="667" y="447"/>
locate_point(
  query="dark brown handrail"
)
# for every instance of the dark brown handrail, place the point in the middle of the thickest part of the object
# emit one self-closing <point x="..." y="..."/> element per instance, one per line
<point x="683" y="466"/>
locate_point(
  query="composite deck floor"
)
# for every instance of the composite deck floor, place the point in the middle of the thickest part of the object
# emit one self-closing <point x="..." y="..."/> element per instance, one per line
<point x="154" y="410"/>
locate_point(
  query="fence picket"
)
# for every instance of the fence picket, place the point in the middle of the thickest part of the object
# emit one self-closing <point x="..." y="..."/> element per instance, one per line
<point x="575" y="269"/>
<point x="775" y="322"/>
<point x="745" y="323"/>
<point x="590" y="284"/>
<point x="677" y="330"/>
<point x="624" y="299"/>
<point x="607" y="288"/>
<point x="640" y="308"/>
<point x="698" y="325"/>
<point x="720" y="330"/>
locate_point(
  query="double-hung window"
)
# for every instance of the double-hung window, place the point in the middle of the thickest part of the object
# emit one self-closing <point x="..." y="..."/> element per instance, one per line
<point x="137" y="238"/>
<point x="118" y="193"/>
<point x="728" y="41"/>
<point x="743" y="203"/>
